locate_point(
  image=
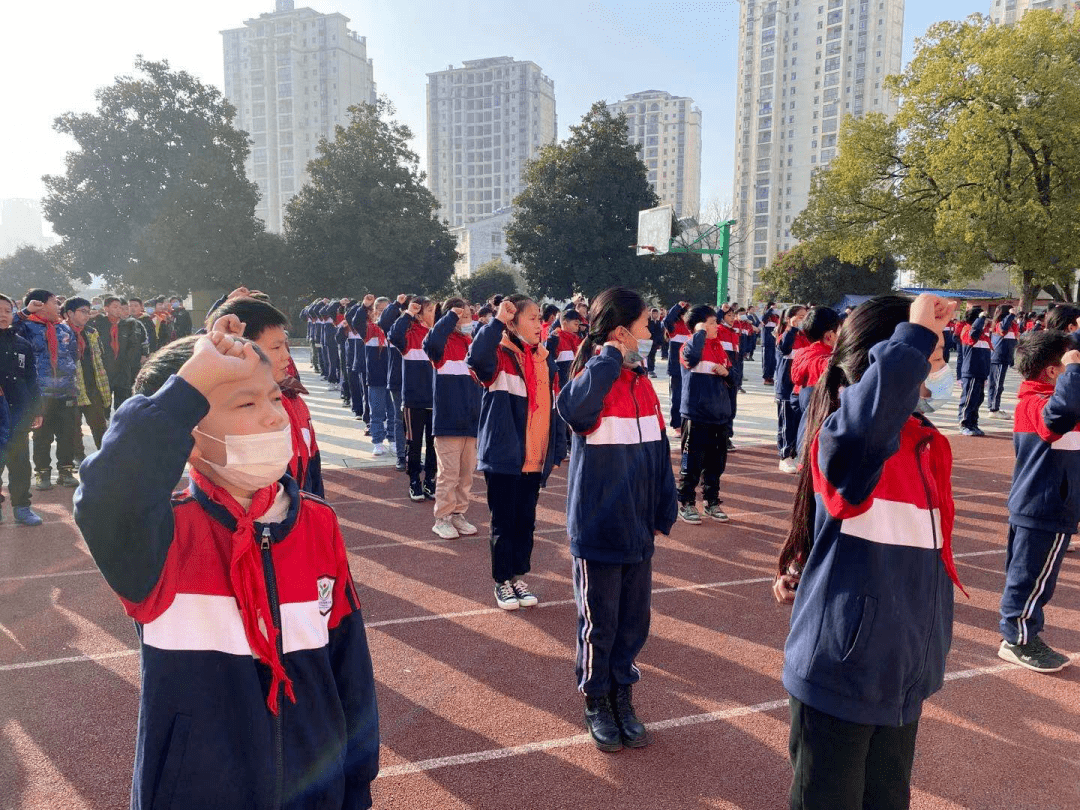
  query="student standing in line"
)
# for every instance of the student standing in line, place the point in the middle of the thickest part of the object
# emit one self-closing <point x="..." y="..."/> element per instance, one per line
<point x="91" y="379"/>
<point x="455" y="419"/>
<point x="417" y="391"/>
<point x="821" y="327"/>
<point x="790" y="339"/>
<point x="755" y="330"/>
<point x="1044" y="501"/>
<point x="950" y="338"/>
<point x="563" y="342"/>
<point x="18" y="378"/>
<point x="977" y="350"/>
<point x="959" y="331"/>
<point x="121" y="349"/>
<point x="394" y="361"/>
<point x="870" y="551"/>
<point x="769" y="321"/>
<point x="706" y="410"/>
<point x="1066" y="318"/>
<point x="677" y="334"/>
<point x="375" y="361"/>
<point x="520" y="438"/>
<point x="656" y="335"/>
<point x="732" y="337"/>
<point x="1004" y="335"/>
<point x="618" y="424"/>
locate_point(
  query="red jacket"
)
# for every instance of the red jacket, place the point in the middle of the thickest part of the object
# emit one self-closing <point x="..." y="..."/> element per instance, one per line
<point x="809" y="364"/>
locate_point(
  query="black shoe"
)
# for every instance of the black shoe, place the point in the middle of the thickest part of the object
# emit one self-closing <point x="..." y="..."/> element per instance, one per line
<point x="634" y="734"/>
<point x="601" y="723"/>
<point x="1036" y="655"/>
<point x="367" y="431"/>
<point x="400" y="466"/>
<point x="416" y="490"/>
<point x="65" y="478"/>
<point x="43" y="482"/>
<point x="429" y="490"/>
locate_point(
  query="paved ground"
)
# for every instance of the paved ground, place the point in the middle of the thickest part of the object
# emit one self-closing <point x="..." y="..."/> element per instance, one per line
<point x="478" y="707"/>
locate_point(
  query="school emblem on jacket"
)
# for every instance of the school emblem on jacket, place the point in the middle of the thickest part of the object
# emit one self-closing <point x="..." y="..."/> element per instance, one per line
<point x="22" y="361"/>
<point x="325" y="585"/>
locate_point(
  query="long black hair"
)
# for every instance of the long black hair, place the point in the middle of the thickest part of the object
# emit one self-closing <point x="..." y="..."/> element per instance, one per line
<point x="786" y="316"/>
<point x="870" y="323"/>
<point x="614" y="307"/>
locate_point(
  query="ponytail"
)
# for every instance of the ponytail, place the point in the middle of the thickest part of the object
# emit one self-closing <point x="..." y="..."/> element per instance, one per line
<point x="612" y="308"/>
<point x="586" y="349"/>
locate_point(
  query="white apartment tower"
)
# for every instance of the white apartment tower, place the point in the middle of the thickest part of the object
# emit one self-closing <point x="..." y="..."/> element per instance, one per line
<point x="292" y="76"/>
<point x="484" y="121"/>
<point x="804" y="65"/>
<point x="668" y="129"/>
<point x="1009" y="11"/>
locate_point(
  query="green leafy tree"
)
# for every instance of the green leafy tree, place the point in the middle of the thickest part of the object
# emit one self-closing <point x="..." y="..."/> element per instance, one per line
<point x="575" y="221"/>
<point x="490" y="278"/>
<point x="981" y="165"/>
<point x="154" y="196"/>
<point x="807" y="274"/>
<point x="365" y="221"/>
<point x="31" y="268"/>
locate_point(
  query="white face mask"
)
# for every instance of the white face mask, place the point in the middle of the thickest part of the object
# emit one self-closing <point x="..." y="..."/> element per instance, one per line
<point x="940" y="384"/>
<point x="253" y="461"/>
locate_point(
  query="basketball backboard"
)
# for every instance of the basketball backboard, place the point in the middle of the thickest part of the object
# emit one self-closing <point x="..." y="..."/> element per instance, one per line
<point x="654" y="230"/>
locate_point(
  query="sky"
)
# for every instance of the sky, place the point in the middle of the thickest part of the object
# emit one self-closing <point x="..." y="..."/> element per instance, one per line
<point x="54" y="56"/>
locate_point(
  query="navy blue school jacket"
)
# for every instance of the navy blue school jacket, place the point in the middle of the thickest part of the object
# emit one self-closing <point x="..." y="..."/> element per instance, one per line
<point x="871" y="625"/>
<point x="500" y="441"/>
<point x="790" y="342"/>
<point x="457" y="393"/>
<point x="1004" y="337"/>
<point x="977" y="350"/>
<point x="209" y="735"/>
<point x="1045" y="492"/>
<point x="705" y="394"/>
<point x="376" y="348"/>
<point x="620" y="488"/>
<point x="678" y="333"/>
<point x="393" y="359"/>
<point x="417" y="377"/>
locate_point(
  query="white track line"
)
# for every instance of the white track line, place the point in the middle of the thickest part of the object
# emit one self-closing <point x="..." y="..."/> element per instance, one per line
<point x="411" y="768"/>
<point x="75" y="659"/>
<point x="24" y="577"/>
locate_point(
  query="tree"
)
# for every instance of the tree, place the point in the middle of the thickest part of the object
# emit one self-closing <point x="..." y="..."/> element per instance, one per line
<point x="808" y="274"/>
<point x="31" y="268"/>
<point x="575" y="221"/>
<point x="365" y="221"/>
<point x="980" y="166"/>
<point x="155" y="195"/>
<point x="490" y="278"/>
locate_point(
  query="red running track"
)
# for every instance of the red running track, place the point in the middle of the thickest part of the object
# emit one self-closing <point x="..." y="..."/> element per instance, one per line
<point x="478" y="706"/>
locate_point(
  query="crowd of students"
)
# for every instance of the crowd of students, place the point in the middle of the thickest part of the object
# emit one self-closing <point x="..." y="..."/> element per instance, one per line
<point x="249" y="622"/>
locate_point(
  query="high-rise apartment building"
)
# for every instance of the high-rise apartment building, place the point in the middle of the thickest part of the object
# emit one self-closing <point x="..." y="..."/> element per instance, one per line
<point x="668" y="129"/>
<point x="292" y="76"/>
<point x="1009" y="11"/>
<point x="21" y="225"/>
<point x="484" y="121"/>
<point x="804" y="65"/>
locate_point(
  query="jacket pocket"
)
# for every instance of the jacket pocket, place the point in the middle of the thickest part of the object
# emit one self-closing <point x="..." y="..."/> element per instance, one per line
<point x="863" y="630"/>
<point x="172" y="763"/>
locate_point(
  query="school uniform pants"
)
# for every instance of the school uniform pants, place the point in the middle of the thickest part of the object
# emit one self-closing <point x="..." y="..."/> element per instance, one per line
<point x="512" y="501"/>
<point x="1032" y="562"/>
<point x="752" y="346"/>
<point x="120" y="395"/>
<point x="997" y="386"/>
<point x="733" y="396"/>
<point x="959" y="360"/>
<point x="768" y="358"/>
<point x="57" y="424"/>
<point x="457" y="460"/>
<point x="788" y="418"/>
<point x="651" y="363"/>
<point x="98" y="420"/>
<point x="675" y="389"/>
<point x="838" y="765"/>
<point x="972" y="395"/>
<point x="419" y="441"/>
<point x="15" y="456"/>
<point x="396" y="420"/>
<point x="704" y="456"/>
<point x="316" y="351"/>
<point x="358" y="402"/>
<point x="380" y="426"/>
<point x="613" y="613"/>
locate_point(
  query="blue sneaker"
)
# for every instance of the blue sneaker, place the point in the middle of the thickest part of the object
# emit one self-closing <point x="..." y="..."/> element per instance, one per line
<point x="27" y="516"/>
<point x="971" y="432"/>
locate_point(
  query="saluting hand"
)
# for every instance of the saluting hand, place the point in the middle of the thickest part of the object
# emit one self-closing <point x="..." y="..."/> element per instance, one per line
<point x="506" y="312"/>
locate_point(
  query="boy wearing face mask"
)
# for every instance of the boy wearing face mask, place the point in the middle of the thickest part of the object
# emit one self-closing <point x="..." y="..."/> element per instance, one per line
<point x="417" y="393"/>
<point x="257" y="686"/>
<point x="706" y="413"/>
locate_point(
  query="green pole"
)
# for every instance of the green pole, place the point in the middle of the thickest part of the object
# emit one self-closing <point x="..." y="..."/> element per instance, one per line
<point x="722" y="274"/>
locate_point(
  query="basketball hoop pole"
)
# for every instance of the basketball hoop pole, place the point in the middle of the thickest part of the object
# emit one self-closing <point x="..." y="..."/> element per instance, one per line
<point x="722" y="252"/>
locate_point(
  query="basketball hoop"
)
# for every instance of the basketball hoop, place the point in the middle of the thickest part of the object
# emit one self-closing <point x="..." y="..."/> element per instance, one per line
<point x="654" y="231"/>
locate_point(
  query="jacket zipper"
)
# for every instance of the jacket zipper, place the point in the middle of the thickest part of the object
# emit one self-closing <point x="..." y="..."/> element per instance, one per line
<point x="921" y="449"/>
<point x="637" y="411"/>
<point x="275" y="617"/>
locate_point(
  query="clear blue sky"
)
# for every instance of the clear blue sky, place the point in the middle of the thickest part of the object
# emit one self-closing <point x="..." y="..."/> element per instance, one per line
<point x="592" y="50"/>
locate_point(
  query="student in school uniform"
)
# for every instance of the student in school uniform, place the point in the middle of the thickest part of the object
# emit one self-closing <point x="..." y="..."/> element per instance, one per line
<point x="563" y="341"/>
<point x="394" y="361"/>
<point x="618" y="424"/>
<point x="677" y="334"/>
<point x="706" y="412"/>
<point x="950" y="338"/>
<point x="754" y="321"/>
<point x="790" y="339"/>
<point x="354" y="358"/>
<point x="730" y="333"/>
<point x="18" y="378"/>
<point x="870" y="553"/>
<point x="257" y="688"/>
<point x="455" y="419"/>
<point x="374" y="361"/>
<point x="769" y="321"/>
<point x="520" y="438"/>
<point x="976" y="370"/>
<point x="1003" y="337"/>
<point x="821" y="327"/>
<point x="656" y="335"/>
<point x="1044" y="501"/>
<point x="417" y="392"/>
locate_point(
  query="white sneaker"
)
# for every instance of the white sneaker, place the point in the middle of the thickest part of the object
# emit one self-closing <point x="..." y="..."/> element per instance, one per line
<point x="465" y="529"/>
<point x="444" y="528"/>
<point x="379" y="450"/>
<point x="525" y="597"/>
<point x="789" y="466"/>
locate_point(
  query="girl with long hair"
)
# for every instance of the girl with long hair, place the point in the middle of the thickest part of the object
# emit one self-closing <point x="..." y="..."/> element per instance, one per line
<point x="612" y="519"/>
<point x="789" y="339"/>
<point x="1004" y="334"/>
<point x="868" y="563"/>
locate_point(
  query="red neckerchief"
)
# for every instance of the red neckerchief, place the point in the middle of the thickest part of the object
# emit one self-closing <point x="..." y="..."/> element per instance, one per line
<point x="292" y="387"/>
<point x="114" y="334"/>
<point x="80" y="340"/>
<point x="528" y="361"/>
<point x="248" y="581"/>
<point x="50" y="337"/>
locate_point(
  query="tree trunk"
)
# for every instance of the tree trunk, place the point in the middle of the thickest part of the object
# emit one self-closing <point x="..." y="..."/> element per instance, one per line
<point x="1028" y="290"/>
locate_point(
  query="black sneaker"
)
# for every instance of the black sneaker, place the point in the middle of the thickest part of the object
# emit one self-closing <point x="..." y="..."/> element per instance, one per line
<point x="713" y="510"/>
<point x="601" y="723"/>
<point x="416" y="490"/>
<point x="632" y="730"/>
<point x="400" y="466"/>
<point x="1036" y="655"/>
<point x="66" y="478"/>
<point x="43" y="482"/>
<point x="429" y="490"/>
